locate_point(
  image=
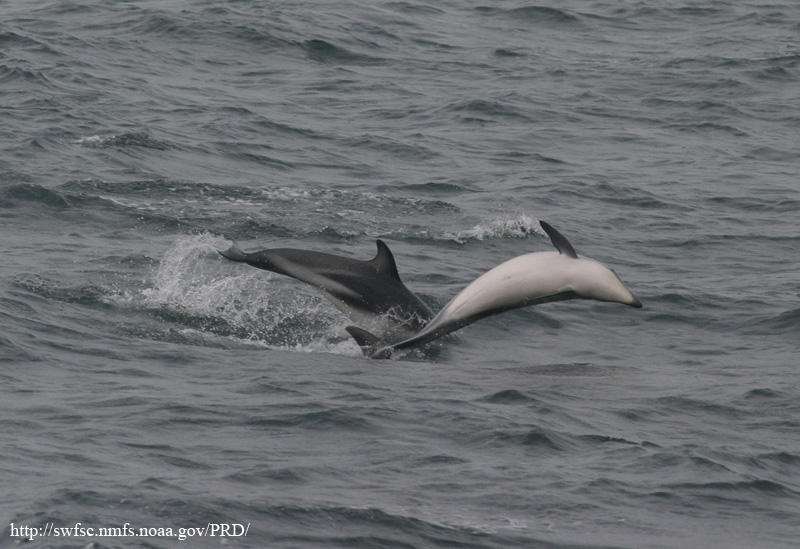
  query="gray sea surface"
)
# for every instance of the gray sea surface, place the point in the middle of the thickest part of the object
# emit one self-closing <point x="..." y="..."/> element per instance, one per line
<point x="152" y="392"/>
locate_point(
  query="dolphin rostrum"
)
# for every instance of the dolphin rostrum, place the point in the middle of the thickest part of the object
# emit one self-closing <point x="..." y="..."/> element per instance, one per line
<point x="369" y="292"/>
<point x="526" y="280"/>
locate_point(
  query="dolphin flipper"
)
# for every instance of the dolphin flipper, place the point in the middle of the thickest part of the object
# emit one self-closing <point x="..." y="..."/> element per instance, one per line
<point x="234" y="253"/>
<point x="370" y="344"/>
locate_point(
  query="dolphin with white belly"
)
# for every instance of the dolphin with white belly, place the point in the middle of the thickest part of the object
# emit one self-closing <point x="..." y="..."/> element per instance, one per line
<point x="530" y="279"/>
<point x="369" y="292"/>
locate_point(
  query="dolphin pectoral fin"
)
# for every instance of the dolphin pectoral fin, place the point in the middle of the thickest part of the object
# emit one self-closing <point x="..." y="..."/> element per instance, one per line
<point x="384" y="261"/>
<point x="559" y="240"/>
<point x="234" y="253"/>
<point x="370" y="344"/>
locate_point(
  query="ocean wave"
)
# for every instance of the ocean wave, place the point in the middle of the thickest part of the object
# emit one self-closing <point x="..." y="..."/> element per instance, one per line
<point x="325" y="52"/>
<point x="728" y="489"/>
<point x="31" y="201"/>
<point x="330" y="419"/>
<point x="627" y="196"/>
<point x="10" y="39"/>
<point x="26" y="192"/>
<point x="90" y="295"/>
<point x="318" y="200"/>
<point x="123" y="141"/>
<point x="493" y="109"/>
<point x="781" y="462"/>
<point x="243" y="212"/>
<point x="786" y="322"/>
<point x="28" y="77"/>
<point x="509" y="396"/>
<point x="693" y="406"/>
<point x="282" y="211"/>
<point x="367" y="527"/>
<point x="533" y="14"/>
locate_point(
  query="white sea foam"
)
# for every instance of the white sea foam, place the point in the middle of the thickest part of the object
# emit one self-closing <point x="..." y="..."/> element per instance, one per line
<point x="93" y="140"/>
<point x="199" y="287"/>
<point x="518" y="225"/>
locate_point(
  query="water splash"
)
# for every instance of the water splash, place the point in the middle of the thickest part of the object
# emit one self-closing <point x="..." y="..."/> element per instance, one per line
<point x="205" y="294"/>
<point x="122" y="141"/>
<point x="507" y="226"/>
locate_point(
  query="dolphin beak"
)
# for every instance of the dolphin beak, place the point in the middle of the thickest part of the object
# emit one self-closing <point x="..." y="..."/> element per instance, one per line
<point x="635" y="303"/>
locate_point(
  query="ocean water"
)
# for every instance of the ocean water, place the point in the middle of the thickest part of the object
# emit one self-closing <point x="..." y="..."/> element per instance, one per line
<point x="149" y="388"/>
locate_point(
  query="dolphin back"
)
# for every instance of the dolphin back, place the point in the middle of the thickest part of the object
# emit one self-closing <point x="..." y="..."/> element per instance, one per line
<point x="369" y="292"/>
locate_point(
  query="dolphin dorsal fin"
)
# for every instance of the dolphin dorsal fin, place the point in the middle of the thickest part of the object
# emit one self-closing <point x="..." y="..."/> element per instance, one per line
<point x="559" y="241"/>
<point x="384" y="261"/>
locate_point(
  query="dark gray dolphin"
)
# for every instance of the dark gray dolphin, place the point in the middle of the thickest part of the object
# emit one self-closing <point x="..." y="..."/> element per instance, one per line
<point x="530" y="279"/>
<point x="369" y="292"/>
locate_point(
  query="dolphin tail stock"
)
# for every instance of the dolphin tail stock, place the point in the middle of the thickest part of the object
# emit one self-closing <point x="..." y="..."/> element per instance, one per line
<point x="370" y="344"/>
<point x="234" y="253"/>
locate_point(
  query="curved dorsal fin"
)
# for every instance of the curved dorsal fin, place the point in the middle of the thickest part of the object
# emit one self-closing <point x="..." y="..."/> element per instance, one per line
<point x="559" y="241"/>
<point x="384" y="261"/>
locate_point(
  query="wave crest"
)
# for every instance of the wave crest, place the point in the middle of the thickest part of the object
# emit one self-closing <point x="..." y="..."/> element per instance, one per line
<point x="507" y="226"/>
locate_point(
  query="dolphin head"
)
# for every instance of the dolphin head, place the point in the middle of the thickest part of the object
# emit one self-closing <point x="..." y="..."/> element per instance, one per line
<point x="590" y="279"/>
<point x="596" y="281"/>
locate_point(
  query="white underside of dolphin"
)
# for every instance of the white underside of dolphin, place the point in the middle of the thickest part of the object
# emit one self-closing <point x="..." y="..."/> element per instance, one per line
<point x="523" y="281"/>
